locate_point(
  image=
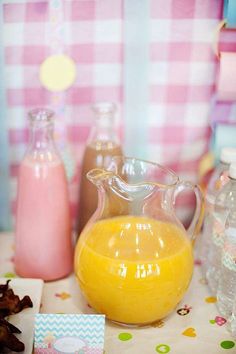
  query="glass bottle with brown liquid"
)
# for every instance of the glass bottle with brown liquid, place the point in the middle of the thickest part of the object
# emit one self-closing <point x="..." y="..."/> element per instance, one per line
<point x="102" y="145"/>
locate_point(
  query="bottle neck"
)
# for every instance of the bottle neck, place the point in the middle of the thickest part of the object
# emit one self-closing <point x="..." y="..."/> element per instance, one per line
<point x="103" y="129"/>
<point x="41" y="130"/>
<point x="41" y="136"/>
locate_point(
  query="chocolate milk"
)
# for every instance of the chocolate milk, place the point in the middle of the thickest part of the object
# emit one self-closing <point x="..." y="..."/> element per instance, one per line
<point x="102" y="145"/>
<point x="97" y="155"/>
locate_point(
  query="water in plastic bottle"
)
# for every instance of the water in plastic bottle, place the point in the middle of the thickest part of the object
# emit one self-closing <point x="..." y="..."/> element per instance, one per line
<point x="232" y="320"/>
<point x="227" y="280"/>
<point x="224" y="203"/>
<point x="218" y="179"/>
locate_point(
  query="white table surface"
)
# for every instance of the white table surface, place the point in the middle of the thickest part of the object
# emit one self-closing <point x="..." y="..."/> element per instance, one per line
<point x="168" y="336"/>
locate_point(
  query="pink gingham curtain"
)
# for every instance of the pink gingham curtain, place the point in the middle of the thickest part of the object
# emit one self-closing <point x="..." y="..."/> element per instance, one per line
<point x="180" y="77"/>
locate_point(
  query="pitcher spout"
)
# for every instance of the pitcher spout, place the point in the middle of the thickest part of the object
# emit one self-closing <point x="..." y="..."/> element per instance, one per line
<point x="121" y="187"/>
<point x="98" y="176"/>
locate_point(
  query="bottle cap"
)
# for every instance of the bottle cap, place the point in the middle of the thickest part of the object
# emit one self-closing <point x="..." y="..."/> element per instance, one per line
<point x="228" y="155"/>
<point x="232" y="170"/>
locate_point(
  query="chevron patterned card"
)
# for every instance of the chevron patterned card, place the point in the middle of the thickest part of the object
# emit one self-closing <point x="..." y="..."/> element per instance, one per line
<point x="69" y="334"/>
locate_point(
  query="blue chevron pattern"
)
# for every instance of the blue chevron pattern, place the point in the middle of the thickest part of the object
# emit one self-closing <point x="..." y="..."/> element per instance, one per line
<point x="90" y="328"/>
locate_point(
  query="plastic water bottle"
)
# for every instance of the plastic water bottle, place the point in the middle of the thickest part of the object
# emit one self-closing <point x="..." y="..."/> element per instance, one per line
<point x="224" y="202"/>
<point x="227" y="280"/>
<point x="232" y="320"/>
<point x="218" y="179"/>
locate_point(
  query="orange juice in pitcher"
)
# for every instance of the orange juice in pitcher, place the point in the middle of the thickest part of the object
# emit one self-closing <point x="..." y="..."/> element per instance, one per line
<point x="135" y="266"/>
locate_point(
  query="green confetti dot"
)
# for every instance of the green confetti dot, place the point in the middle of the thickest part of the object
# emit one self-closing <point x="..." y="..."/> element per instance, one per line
<point x="125" y="336"/>
<point x="212" y="321"/>
<point x="227" y="344"/>
<point x="162" y="348"/>
<point x="9" y="275"/>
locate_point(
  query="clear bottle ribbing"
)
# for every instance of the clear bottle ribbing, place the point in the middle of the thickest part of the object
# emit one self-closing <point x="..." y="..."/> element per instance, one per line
<point x="227" y="279"/>
<point x="232" y="320"/>
<point x="218" y="179"/>
<point x="223" y="204"/>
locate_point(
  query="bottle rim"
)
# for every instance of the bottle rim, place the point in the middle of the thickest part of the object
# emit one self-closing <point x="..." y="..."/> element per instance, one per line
<point x="104" y="108"/>
<point x="41" y="115"/>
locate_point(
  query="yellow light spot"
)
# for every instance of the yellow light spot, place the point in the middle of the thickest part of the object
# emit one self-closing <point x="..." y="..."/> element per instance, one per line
<point x="57" y="72"/>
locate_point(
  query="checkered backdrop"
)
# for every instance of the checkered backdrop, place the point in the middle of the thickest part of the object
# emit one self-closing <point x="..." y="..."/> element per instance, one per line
<point x="180" y="67"/>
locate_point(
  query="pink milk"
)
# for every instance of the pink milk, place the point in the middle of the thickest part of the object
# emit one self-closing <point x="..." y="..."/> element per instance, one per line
<point x="43" y="226"/>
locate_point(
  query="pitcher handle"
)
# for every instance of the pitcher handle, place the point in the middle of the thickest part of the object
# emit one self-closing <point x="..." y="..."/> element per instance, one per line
<point x="196" y="223"/>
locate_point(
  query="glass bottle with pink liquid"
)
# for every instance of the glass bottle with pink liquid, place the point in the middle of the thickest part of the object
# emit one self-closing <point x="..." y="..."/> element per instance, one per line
<point x="103" y="143"/>
<point x="43" y="243"/>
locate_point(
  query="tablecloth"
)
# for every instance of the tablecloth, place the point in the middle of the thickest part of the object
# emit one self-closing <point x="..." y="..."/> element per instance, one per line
<point x="195" y="327"/>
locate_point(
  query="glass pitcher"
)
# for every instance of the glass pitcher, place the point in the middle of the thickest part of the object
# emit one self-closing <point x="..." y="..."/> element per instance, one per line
<point x="134" y="259"/>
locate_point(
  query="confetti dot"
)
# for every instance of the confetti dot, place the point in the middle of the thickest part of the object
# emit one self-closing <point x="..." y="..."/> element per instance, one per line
<point x="220" y="320"/>
<point x="63" y="295"/>
<point x="9" y="275"/>
<point x="227" y="344"/>
<point x="211" y="299"/>
<point x="198" y="262"/>
<point x="203" y="281"/>
<point x="57" y="72"/>
<point x="189" y="332"/>
<point x="212" y="321"/>
<point x="184" y="311"/>
<point x="125" y="336"/>
<point x="162" y="348"/>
